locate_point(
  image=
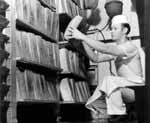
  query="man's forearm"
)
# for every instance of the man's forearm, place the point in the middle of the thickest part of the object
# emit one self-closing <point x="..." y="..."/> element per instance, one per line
<point x="100" y="46"/>
<point x="96" y="57"/>
<point x="90" y="53"/>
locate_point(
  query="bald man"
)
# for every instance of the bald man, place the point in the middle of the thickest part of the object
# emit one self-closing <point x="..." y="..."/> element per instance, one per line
<point x="128" y="63"/>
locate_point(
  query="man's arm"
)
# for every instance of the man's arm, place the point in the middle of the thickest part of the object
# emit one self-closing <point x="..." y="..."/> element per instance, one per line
<point x="99" y="46"/>
<point x="103" y="47"/>
<point x="96" y="57"/>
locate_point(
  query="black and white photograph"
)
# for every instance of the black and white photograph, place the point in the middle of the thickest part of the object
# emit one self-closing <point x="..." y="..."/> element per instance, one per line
<point x="74" y="61"/>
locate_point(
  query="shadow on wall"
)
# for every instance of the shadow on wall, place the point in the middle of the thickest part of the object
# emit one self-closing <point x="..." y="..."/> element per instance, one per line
<point x="94" y="18"/>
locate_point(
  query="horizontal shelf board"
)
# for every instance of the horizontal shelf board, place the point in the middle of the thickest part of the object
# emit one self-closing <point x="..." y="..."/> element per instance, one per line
<point x="52" y="8"/>
<point x="22" y="25"/>
<point x="62" y="44"/>
<point x="40" y="68"/>
<point x="74" y="103"/>
<point x="37" y="102"/>
<point x="92" y="67"/>
<point x="72" y="75"/>
<point x="75" y="47"/>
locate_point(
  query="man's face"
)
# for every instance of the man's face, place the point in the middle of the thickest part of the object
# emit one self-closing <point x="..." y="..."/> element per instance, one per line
<point x="116" y="32"/>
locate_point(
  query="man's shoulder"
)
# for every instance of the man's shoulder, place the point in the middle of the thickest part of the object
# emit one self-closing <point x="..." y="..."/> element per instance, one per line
<point x="129" y="46"/>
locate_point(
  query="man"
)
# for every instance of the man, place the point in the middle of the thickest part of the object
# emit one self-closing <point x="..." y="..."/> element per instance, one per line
<point x="128" y="65"/>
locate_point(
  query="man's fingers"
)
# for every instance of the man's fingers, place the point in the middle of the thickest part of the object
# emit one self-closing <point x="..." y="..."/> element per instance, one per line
<point x="69" y="36"/>
<point x="71" y="28"/>
<point x="70" y="33"/>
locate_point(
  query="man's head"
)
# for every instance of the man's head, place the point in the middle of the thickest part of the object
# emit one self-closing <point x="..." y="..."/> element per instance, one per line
<point x="119" y="27"/>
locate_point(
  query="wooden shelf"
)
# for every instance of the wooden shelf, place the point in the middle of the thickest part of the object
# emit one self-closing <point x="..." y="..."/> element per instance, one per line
<point x="73" y="45"/>
<point x="22" y="25"/>
<point x="72" y="103"/>
<point x="67" y="45"/>
<point x="37" y="67"/>
<point x="63" y="44"/>
<point x="72" y="76"/>
<point x="92" y="67"/>
<point x="45" y="4"/>
<point x="37" y="102"/>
